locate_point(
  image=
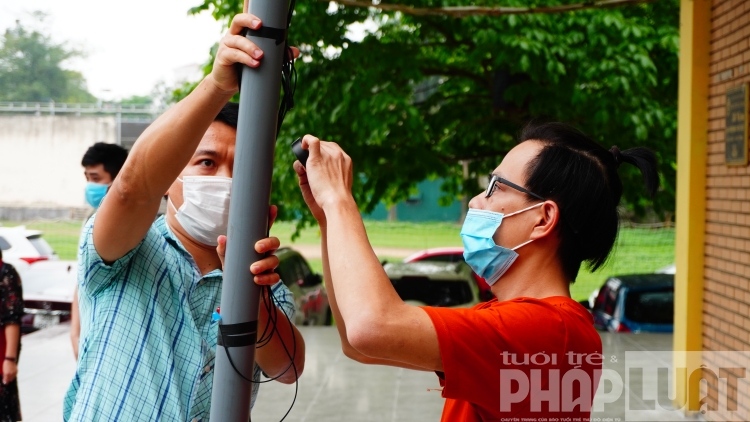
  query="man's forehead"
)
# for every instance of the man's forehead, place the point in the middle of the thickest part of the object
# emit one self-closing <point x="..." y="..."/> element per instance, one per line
<point x="218" y="137"/>
<point x="515" y="161"/>
<point x="96" y="168"/>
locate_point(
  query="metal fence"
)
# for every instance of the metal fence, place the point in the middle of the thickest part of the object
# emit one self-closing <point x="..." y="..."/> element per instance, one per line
<point x="639" y="248"/>
<point x="137" y="111"/>
<point x="130" y="119"/>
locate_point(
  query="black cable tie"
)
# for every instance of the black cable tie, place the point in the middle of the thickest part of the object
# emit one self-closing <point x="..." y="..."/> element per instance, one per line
<point x="238" y="335"/>
<point x="277" y="34"/>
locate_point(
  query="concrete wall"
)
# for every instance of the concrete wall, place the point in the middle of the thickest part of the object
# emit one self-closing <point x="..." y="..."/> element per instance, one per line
<point x="40" y="158"/>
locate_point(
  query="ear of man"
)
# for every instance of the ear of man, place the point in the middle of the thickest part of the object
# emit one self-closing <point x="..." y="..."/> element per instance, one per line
<point x="546" y="219"/>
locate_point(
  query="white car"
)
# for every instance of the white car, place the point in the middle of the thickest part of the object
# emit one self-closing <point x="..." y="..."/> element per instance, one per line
<point x="669" y="269"/>
<point x="46" y="280"/>
<point x="48" y="289"/>
<point x="22" y="247"/>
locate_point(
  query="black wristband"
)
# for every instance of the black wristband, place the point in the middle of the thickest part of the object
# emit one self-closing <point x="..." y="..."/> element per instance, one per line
<point x="12" y="359"/>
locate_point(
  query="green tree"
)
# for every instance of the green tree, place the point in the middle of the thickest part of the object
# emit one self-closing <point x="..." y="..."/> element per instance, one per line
<point x="422" y="93"/>
<point x="31" y="68"/>
<point x="137" y="100"/>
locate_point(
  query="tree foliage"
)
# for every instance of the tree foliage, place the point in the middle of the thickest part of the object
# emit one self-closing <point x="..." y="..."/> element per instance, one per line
<point x="31" y="68"/>
<point x="414" y="98"/>
<point x="137" y="100"/>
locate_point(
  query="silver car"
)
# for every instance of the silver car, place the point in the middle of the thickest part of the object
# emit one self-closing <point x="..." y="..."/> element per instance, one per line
<point x="439" y="284"/>
<point x="310" y="297"/>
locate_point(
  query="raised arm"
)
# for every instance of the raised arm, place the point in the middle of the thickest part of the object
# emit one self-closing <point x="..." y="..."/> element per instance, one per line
<point x="346" y="347"/>
<point x="165" y="148"/>
<point x="377" y="292"/>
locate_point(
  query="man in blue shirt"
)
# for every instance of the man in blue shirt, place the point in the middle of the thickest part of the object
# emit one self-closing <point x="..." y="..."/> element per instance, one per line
<point x="101" y="163"/>
<point x="147" y="289"/>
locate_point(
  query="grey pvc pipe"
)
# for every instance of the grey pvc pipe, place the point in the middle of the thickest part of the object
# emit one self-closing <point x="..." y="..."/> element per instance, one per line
<point x="248" y="211"/>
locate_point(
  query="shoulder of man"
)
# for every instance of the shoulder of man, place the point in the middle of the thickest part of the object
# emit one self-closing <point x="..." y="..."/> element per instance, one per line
<point x="95" y="274"/>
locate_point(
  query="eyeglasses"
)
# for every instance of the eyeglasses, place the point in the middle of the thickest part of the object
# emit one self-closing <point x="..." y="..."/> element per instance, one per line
<point x="495" y="179"/>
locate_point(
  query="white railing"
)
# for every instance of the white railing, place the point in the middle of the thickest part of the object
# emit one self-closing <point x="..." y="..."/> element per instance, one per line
<point x="52" y="108"/>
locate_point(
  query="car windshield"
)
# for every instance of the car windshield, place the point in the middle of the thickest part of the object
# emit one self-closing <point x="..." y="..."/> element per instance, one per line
<point x="4" y="245"/>
<point x="452" y="258"/>
<point x="41" y="245"/>
<point x="650" y="307"/>
<point x="433" y="292"/>
<point x="607" y="299"/>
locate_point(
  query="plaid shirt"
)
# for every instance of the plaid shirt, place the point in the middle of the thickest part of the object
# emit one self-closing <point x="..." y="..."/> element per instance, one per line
<point x="147" y="337"/>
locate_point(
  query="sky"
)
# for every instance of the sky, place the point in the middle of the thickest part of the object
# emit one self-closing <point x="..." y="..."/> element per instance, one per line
<point x="131" y="45"/>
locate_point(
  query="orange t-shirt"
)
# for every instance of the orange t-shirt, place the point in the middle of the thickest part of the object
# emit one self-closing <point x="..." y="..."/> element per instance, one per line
<point x="521" y="358"/>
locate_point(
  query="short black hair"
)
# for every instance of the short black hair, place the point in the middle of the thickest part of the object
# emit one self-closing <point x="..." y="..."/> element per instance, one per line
<point x="228" y="114"/>
<point x="110" y="155"/>
<point x="580" y="176"/>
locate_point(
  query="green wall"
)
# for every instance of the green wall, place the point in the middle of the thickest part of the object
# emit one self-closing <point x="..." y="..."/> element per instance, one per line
<point x="422" y="206"/>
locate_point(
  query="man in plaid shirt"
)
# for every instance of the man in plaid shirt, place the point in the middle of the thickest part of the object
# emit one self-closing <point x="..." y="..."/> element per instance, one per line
<point x="147" y="289"/>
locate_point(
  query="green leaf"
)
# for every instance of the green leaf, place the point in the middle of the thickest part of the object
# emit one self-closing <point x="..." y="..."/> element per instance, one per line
<point x="419" y="96"/>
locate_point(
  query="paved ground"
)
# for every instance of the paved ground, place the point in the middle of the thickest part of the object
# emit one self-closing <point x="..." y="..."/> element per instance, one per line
<point x="615" y="346"/>
<point x="333" y="388"/>
<point x="45" y="369"/>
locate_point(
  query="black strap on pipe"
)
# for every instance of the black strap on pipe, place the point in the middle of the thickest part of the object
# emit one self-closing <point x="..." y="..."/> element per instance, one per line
<point x="238" y="335"/>
<point x="276" y="34"/>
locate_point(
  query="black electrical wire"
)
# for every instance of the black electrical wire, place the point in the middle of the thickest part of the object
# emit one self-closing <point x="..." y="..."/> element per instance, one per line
<point x="271" y="305"/>
<point x="288" y="75"/>
<point x="271" y="321"/>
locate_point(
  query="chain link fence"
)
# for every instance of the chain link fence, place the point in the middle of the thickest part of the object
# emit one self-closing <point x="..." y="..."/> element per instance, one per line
<point x="639" y="248"/>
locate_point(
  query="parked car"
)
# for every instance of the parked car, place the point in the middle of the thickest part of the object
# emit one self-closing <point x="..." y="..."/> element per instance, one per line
<point x="635" y="303"/>
<point x="48" y="289"/>
<point x="669" y="269"/>
<point x="310" y="296"/>
<point x="454" y="255"/>
<point x="22" y="247"/>
<point x="434" y="283"/>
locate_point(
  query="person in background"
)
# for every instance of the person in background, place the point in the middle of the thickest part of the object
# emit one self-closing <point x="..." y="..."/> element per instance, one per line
<point x="101" y="164"/>
<point x="11" y="311"/>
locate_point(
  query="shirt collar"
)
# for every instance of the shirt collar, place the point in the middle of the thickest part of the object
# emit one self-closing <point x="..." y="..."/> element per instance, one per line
<point x="163" y="227"/>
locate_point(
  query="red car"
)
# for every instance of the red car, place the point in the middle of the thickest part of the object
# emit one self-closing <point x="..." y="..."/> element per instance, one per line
<point x="452" y="255"/>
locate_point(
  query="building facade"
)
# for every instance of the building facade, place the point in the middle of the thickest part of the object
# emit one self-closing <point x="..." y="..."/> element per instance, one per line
<point x="712" y="281"/>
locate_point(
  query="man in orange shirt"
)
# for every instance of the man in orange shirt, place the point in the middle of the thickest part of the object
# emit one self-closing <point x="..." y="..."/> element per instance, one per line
<point x="531" y="353"/>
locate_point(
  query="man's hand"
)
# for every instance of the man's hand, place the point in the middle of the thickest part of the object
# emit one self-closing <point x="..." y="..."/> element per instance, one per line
<point x="235" y="48"/>
<point x="262" y="269"/>
<point x="10" y="370"/>
<point x="328" y="176"/>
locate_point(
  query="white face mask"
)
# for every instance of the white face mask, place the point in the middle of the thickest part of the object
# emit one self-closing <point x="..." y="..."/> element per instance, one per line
<point x="204" y="213"/>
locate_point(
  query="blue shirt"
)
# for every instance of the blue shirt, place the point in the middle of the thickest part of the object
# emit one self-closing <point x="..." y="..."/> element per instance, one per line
<point x="147" y="337"/>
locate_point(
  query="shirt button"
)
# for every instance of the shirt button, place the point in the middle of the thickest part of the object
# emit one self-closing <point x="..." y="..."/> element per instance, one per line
<point x="207" y="368"/>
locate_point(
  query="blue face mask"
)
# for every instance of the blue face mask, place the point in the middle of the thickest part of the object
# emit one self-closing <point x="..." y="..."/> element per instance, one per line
<point x="487" y="259"/>
<point x="95" y="193"/>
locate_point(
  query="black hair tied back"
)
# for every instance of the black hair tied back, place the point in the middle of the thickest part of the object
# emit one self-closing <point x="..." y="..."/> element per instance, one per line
<point x="616" y="153"/>
<point x="582" y="177"/>
<point x="645" y="160"/>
